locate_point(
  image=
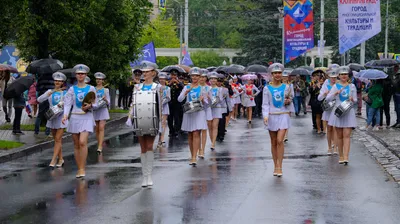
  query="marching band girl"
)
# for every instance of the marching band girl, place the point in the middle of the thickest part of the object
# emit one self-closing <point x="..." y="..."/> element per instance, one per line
<point x="81" y="122"/>
<point x="216" y="107"/>
<point x="276" y="112"/>
<point x="56" y="97"/>
<point x="146" y="142"/>
<point x="237" y="91"/>
<point x="101" y="115"/>
<point x="251" y="91"/>
<point x="331" y="132"/>
<point x="341" y="92"/>
<point x="165" y="93"/>
<point x="194" y="122"/>
<point x="205" y="88"/>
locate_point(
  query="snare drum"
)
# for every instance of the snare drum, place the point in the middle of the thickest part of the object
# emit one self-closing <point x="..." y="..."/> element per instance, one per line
<point x="214" y="102"/>
<point x="327" y="106"/>
<point x="145" y="113"/>
<point x="101" y="104"/>
<point x="53" y="112"/>
<point x="343" y="108"/>
<point x="191" y="107"/>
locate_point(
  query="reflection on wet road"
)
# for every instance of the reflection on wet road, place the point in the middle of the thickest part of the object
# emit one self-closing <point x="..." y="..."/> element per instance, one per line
<point x="234" y="184"/>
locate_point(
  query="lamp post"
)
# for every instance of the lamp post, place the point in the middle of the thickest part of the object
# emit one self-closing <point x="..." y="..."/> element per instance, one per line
<point x="187" y="24"/>
<point x="321" y="32"/>
<point x="180" y="30"/>
<point x="387" y="29"/>
<point x="282" y="25"/>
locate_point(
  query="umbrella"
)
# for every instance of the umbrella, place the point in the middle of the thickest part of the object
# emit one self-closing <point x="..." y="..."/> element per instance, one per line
<point x="372" y="74"/>
<point x="356" y="67"/>
<point x="44" y="66"/>
<point x="233" y="70"/>
<point x="257" y="69"/>
<point x="300" y="71"/>
<point x="287" y="71"/>
<point x="248" y="77"/>
<point x="186" y="68"/>
<point x="210" y="69"/>
<point x="4" y="67"/>
<point x="241" y="67"/>
<point x="333" y="66"/>
<point x="19" y="86"/>
<point x="69" y="72"/>
<point x="221" y="69"/>
<point x="382" y="63"/>
<point x="308" y="68"/>
<point x="173" y="67"/>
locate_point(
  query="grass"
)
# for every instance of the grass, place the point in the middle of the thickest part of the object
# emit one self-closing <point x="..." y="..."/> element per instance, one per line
<point x="24" y="127"/>
<point x="9" y="144"/>
<point x="118" y="111"/>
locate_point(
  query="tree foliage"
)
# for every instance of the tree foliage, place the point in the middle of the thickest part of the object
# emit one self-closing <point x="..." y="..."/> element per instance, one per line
<point x="204" y="59"/>
<point x="162" y="31"/>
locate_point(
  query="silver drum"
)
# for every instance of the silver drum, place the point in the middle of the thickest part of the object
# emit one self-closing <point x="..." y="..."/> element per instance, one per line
<point x="327" y="106"/>
<point x="214" y="102"/>
<point x="145" y="113"/>
<point x="101" y="104"/>
<point x="53" y="112"/>
<point x="191" y="107"/>
<point x="343" y="108"/>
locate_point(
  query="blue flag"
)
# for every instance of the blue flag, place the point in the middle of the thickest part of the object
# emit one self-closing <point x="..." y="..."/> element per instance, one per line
<point x="148" y="54"/>
<point x="187" y="60"/>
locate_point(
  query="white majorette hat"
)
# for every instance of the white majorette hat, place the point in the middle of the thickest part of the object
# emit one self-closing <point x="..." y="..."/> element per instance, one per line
<point x="343" y="70"/>
<point x="87" y="79"/>
<point x="59" y="76"/>
<point x="162" y="75"/>
<point x="234" y="77"/>
<point x="81" y="68"/>
<point x="213" y="75"/>
<point x="204" y="72"/>
<point x="147" y="66"/>
<point x="286" y="72"/>
<point x="333" y="73"/>
<point x="276" y="67"/>
<point x="99" y="75"/>
<point x="195" y="71"/>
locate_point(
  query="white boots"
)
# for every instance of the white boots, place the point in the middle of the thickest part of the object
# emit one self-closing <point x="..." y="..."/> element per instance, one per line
<point x="147" y="160"/>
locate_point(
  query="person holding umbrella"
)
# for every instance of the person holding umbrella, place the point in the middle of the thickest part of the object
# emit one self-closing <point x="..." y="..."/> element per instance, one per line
<point x="56" y="98"/>
<point x="375" y="94"/>
<point x="19" y="105"/>
<point x="276" y="110"/>
<point x="81" y="122"/>
<point x="101" y="115"/>
<point x="344" y="125"/>
<point x="165" y="94"/>
<point x="250" y="92"/>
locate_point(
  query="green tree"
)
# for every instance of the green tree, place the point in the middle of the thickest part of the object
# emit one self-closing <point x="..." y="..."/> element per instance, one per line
<point x="204" y="59"/>
<point x="162" y="31"/>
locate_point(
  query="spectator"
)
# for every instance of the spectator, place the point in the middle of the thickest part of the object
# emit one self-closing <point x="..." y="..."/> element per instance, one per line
<point x="375" y="94"/>
<point x="299" y="95"/>
<point x="386" y="96"/>
<point x="44" y="83"/>
<point x="32" y="99"/>
<point x="19" y="105"/>
<point x="396" y="97"/>
<point x="6" y="80"/>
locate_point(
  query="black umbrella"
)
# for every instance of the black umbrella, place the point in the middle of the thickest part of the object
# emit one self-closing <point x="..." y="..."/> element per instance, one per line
<point x="241" y="67"/>
<point x="233" y="70"/>
<point x="173" y="67"/>
<point x="300" y="71"/>
<point x="69" y="72"/>
<point x="44" y="66"/>
<point x="19" y="86"/>
<point x="221" y="69"/>
<point x="257" y="69"/>
<point x="384" y="63"/>
<point x="212" y="68"/>
<point x="356" y="67"/>
<point x="308" y="68"/>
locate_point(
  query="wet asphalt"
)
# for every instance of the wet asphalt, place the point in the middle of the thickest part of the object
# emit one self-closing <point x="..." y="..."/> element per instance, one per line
<point x="233" y="184"/>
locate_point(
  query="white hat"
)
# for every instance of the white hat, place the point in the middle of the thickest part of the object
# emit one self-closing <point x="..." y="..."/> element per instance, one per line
<point x="81" y="68"/>
<point x="195" y="71"/>
<point x="213" y="75"/>
<point x="276" y="67"/>
<point x="58" y="76"/>
<point x="147" y="66"/>
<point x="286" y="72"/>
<point x="333" y="73"/>
<point x="99" y="75"/>
<point x="234" y="77"/>
<point x="162" y="75"/>
<point x="343" y="70"/>
<point x="204" y="72"/>
<point x="87" y="79"/>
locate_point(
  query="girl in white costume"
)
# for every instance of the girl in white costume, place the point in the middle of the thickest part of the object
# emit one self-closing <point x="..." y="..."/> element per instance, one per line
<point x="250" y="92"/>
<point x="206" y="89"/>
<point x="216" y="94"/>
<point x="101" y="115"/>
<point x="81" y="122"/>
<point x="342" y="91"/>
<point x="276" y="110"/>
<point x="195" y="122"/>
<point x="165" y="94"/>
<point x="56" y="97"/>
<point x="237" y="91"/>
<point x="331" y="132"/>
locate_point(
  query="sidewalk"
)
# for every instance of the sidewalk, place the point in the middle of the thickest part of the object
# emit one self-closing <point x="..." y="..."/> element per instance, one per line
<point x="36" y="143"/>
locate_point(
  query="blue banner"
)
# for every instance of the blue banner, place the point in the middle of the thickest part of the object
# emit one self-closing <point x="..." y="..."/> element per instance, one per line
<point x="187" y="60"/>
<point x="148" y="54"/>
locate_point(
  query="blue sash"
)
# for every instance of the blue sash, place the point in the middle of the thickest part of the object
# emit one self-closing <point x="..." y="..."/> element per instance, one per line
<point x="329" y="85"/>
<point x="278" y="95"/>
<point x="147" y="87"/>
<point x="165" y="92"/>
<point x="214" y="92"/>
<point x="100" y="94"/>
<point x="194" y="94"/>
<point x="345" y="94"/>
<point x="56" y="97"/>
<point x="80" y="94"/>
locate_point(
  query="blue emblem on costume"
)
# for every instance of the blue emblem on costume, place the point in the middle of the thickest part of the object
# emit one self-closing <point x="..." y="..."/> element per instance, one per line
<point x="329" y="86"/>
<point x="194" y="94"/>
<point x="56" y="98"/>
<point x="214" y="92"/>
<point x="345" y="94"/>
<point x="80" y="94"/>
<point x="165" y="92"/>
<point x="100" y="93"/>
<point x="147" y="87"/>
<point x="278" y="95"/>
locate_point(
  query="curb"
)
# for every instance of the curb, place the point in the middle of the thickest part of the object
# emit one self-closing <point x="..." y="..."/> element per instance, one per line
<point x="46" y="145"/>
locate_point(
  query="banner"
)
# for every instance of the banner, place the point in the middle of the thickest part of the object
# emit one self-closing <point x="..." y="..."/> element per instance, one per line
<point x="148" y="54"/>
<point x="358" y="22"/>
<point x="299" y="27"/>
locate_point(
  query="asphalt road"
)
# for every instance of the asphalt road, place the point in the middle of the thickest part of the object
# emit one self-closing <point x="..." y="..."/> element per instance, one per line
<point x="234" y="184"/>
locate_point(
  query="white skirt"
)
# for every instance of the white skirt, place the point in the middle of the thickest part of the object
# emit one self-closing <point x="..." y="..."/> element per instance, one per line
<point x="56" y="123"/>
<point x="278" y="122"/>
<point x="236" y="100"/>
<point x="326" y="115"/>
<point x="216" y="112"/>
<point x="194" y="121"/>
<point x="346" y="121"/>
<point x="248" y="103"/>
<point x="77" y="125"/>
<point x="209" y="116"/>
<point x="165" y="109"/>
<point x="101" y="114"/>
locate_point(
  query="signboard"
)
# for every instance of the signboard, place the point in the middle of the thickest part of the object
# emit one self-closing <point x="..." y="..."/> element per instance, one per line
<point x="299" y="27"/>
<point x="358" y="22"/>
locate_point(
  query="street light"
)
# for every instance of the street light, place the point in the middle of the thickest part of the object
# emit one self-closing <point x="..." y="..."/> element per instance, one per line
<point x="282" y="25"/>
<point x="180" y="31"/>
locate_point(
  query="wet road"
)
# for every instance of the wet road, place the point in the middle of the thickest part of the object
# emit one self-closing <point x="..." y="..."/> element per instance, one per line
<point x="234" y="184"/>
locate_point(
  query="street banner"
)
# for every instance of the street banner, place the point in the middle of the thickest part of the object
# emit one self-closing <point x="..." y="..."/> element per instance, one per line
<point x="358" y="22"/>
<point x="299" y="27"/>
<point x="148" y="54"/>
<point x="187" y="60"/>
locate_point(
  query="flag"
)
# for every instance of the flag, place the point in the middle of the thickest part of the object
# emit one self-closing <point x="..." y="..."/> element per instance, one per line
<point x="148" y="54"/>
<point x="187" y="60"/>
